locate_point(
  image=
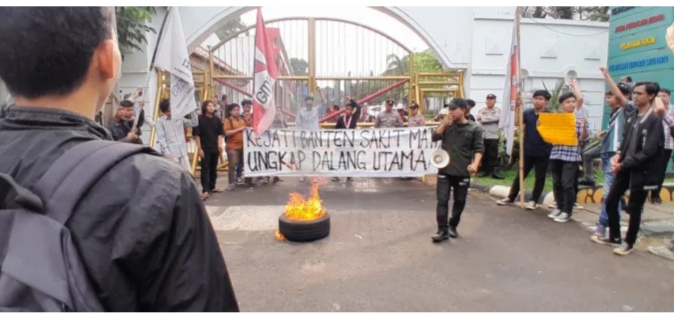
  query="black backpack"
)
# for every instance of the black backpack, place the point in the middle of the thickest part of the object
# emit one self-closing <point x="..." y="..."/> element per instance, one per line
<point x="41" y="270"/>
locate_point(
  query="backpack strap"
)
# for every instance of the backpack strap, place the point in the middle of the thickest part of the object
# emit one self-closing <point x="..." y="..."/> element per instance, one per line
<point x="66" y="181"/>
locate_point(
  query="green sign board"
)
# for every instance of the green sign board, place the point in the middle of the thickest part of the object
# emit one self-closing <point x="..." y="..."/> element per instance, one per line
<point x="637" y="47"/>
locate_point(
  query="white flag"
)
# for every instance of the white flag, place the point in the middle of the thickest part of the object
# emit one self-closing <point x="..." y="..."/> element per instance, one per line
<point x="512" y="78"/>
<point x="172" y="56"/>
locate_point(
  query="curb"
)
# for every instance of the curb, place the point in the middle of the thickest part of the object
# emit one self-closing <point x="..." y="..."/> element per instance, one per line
<point x="656" y="228"/>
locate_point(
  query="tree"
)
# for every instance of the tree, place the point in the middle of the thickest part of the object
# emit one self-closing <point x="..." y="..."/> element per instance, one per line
<point x="599" y="14"/>
<point x="232" y="27"/>
<point x="299" y="66"/>
<point x="132" y="27"/>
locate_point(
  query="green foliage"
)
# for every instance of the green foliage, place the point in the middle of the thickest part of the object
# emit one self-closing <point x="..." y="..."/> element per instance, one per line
<point x="556" y="92"/>
<point x="133" y="23"/>
<point x="299" y="66"/>
<point x="231" y="27"/>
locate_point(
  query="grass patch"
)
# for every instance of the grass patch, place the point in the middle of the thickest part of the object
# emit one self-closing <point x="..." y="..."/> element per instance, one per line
<point x="530" y="179"/>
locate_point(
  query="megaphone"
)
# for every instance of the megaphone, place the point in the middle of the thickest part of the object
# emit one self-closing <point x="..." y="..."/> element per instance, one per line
<point x="440" y="158"/>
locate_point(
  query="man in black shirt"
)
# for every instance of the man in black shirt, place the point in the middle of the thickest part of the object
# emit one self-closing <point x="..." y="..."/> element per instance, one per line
<point x="535" y="150"/>
<point x="636" y="165"/>
<point x="122" y="126"/>
<point x="463" y="141"/>
<point x="209" y="138"/>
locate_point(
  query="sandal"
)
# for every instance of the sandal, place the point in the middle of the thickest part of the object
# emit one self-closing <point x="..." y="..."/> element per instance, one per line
<point x="217" y="190"/>
<point x="205" y="196"/>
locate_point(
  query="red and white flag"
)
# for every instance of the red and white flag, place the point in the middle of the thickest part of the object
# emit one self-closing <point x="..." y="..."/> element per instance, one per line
<point x="265" y="75"/>
<point x="510" y="92"/>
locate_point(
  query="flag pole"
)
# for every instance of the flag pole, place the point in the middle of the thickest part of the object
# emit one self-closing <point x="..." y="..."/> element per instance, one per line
<point x="519" y="94"/>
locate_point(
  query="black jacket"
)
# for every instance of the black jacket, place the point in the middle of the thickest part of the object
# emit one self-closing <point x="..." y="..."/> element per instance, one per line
<point x="644" y="164"/>
<point x="340" y="124"/>
<point x="142" y="230"/>
<point x="120" y="128"/>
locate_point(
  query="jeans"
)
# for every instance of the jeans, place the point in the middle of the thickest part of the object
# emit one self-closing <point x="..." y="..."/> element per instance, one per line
<point x="460" y="186"/>
<point x="608" y="178"/>
<point x="239" y="170"/>
<point x="529" y="162"/>
<point x="564" y="174"/>
<point x="588" y="161"/>
<point x="664" y="162"/>
<point x="208" y="174"/>
<point x="637" y="197"/>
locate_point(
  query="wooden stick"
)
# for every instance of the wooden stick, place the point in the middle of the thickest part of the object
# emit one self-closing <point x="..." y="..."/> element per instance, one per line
<point x="522" y="191"/>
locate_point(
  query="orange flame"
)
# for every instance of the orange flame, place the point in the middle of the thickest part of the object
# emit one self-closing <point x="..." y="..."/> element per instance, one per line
<point x="300" y="209"/>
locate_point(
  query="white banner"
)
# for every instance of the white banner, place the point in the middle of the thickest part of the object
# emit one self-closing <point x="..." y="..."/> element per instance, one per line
<point x="172" y="56"/>
<point x="385" y="152"/>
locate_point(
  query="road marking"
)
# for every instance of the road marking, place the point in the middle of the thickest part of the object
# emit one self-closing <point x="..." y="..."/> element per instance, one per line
<point x="245" y="218"/>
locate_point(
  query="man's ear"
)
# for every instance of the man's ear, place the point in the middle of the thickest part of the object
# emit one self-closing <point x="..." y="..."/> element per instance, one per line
<point x="105" y="58"/>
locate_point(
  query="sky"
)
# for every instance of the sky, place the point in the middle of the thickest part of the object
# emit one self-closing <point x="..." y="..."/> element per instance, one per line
<point x="341" y="47"/>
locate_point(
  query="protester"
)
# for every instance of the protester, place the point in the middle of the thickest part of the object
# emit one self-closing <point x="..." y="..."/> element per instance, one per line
<point x="489" y="117"/>
<point x="610" y="141"/>
<point x="348" y="121"/>
<point x="308" y="117"/>
<point x="668" y="124"/>
<point x="388" y="118"/>
<point x="564" y="163"/>
<point x="463" y="141"/>
<point x="416" y="119"/>
<point x="170" y="134"/>
<point x="141" y="231"/>
<point x="222" y="106"/>
<point x="209" y="137"/>
<point x="535" y="151"/>
<point x="636" y="166"/>
<point x="122" y="126"/>
<point x="234" y="127"/>
<point x="247" y="115"/>
<point x="470" y="106"/>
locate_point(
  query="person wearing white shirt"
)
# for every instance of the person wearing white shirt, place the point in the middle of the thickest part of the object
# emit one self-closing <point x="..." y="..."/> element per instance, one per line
<point x="668" y="124"/>
<point x="171" y="135"/>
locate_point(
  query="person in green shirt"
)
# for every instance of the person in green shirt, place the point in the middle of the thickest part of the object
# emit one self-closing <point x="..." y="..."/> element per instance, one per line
<point x="464" y="142"/>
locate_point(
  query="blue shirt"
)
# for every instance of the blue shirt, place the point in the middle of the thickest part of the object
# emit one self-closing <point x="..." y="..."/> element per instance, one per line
<point x="612" y="140"/>
<point x="534" y="145"/>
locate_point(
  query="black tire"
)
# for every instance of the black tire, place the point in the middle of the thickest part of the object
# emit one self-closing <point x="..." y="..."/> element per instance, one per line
<point x="305" y="230"/>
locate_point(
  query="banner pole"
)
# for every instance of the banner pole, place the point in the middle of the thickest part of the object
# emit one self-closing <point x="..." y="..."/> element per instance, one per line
<point x="519" y="94"/>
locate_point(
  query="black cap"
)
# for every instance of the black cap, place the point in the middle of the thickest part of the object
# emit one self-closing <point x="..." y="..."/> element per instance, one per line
<point x="414" y="106"/>
<point x="457" y="103"/>
<point x="389" y="102"/>
<point x="126" y="104"/>
<point x="490" y="96"/>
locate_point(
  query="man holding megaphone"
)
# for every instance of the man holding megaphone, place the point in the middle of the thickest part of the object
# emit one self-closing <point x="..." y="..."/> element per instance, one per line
<point x="463" y="141"/>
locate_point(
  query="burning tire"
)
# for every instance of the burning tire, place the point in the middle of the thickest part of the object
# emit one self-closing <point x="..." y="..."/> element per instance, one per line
<point x="300" y="231"/>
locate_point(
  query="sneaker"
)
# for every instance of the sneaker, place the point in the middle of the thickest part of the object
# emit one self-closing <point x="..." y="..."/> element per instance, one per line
<point x="231" y="187"/>
<point x="563" y="217"/>
<point x="553" y="205"/>
<point x="240" y="181"/>
<point x="623" y="250"/>
<point x="441" y="235"/>
<point x="531" y="205"/>
<point x="555" y="213"/>
<point x="578" y="206"/>
<point x="605" y="240"/>
<point x="505" y="201"/>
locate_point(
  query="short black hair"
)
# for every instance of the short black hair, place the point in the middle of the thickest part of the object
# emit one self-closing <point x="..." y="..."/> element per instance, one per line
<point x="470" y="102"/>
<point x="542" y="93"/>
<point x="204" y="106"/>
<point x="232" y="106"/>
<point x="126" y="104"/>
<point x="164" y="105"/>
<point x="565" y="96"/>
<point x="48" y="50"/>
<point x="624" y="88"/>
<point x="246" y="102"/>
<point x="457" y="103"/>
<point x="309" y="98"/>
<point x="389" y="102"/>
<point x="665" y="90"/>
<point x="651" y="88"/>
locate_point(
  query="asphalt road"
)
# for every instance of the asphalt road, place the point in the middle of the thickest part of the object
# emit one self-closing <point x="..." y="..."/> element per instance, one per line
<point x="379" y="257"/>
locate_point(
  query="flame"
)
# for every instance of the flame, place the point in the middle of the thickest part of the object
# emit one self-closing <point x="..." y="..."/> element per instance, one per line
<point x="279" y="236"/>
<point x="300" y="209"/>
